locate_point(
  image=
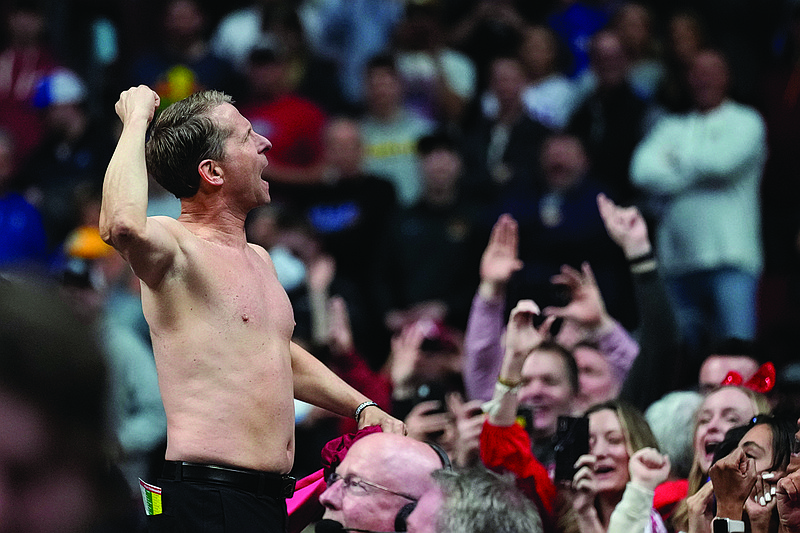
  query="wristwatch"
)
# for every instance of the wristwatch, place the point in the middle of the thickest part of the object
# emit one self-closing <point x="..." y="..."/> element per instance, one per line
<point x="727" y="525"/>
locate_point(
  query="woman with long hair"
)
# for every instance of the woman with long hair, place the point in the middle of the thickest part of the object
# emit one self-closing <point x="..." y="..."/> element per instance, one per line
<point x="612" y="490"/>
<point x="721" y="410"/>
<point x="766" y="444"/>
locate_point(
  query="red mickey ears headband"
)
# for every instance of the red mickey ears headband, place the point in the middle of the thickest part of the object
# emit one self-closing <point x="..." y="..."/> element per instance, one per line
<point x="762" y="381"/>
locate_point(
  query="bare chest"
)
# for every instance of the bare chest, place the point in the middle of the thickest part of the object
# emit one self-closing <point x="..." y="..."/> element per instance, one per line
<point x="241" y="290"/>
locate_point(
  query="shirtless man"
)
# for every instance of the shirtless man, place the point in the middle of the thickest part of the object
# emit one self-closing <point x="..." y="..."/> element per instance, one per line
<point x="220" y="322"/>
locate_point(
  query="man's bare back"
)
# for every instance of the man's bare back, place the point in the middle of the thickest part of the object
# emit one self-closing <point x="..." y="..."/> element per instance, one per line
<point x="221" y="326"/>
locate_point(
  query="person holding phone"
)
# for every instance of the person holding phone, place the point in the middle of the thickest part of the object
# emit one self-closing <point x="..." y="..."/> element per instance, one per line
<point x="612" y="490"/>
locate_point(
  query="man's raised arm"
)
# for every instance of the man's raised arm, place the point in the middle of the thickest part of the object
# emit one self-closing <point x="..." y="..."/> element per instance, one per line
<point x="123" y="215"/>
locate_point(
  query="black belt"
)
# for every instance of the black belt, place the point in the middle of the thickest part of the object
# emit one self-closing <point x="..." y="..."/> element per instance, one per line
<point x="260" y="484"/>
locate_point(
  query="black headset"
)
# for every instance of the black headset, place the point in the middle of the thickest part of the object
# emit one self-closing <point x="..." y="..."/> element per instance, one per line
<point x="407" y="509"/>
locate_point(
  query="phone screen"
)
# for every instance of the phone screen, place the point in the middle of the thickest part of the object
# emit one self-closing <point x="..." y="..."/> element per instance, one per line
<point x="572" y="441"/>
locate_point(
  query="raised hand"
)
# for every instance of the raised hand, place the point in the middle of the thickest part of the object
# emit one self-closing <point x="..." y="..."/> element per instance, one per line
<point x="405" y="358"/>
<point x="649" y="468"/>
<point x="137" y="101"/>
<point x="788" y="498"/>
<point x="340" y="334"/>
<point x="469" y="423"/>
<point x="500" y="259"/>
<point x="321" y="271"/>
<point x="586" y="308"/>
<point x="625" y="226"/>
<point x="733" y="476"/>
<point x="522" y="337"/>
<point x="699" y="508"/>
<point x="427" y="418"/>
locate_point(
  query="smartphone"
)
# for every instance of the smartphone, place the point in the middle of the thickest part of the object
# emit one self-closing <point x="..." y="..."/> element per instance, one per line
<point x="572" y="441"/>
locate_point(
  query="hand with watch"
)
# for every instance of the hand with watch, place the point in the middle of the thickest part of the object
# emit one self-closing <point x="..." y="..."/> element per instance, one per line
<point x="727" y="525"/>
<point x="733" y="478"/>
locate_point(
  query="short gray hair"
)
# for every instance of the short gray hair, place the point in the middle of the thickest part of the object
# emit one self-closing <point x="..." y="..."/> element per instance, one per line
<point x="672" y="420"/>
<point x="477" y="500"/>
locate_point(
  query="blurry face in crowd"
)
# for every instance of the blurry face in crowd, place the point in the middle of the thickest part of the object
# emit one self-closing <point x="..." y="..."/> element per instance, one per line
<point x="383" y="90"/>
<point x="441" y="169"/>
<point x="538" y="51"/>
<point x="608" y="59"/>
<point x="25" y="27"/>
<point x="507" y="81"/>
<point x="343" y="148"/>
<point x="607" y="443"/>
<point x="716" y="367"/>
<point x="708" y="79"/>
<point x="41" y="490"/>
<point x="685" y="38"/>
<point x="546" y="390"/>
<point x="721" y="410"/>
<point x="183" y="20"/>
<point x="634" y="26"/>
<point x="564" y="162"/>
<point x="597" y="383"/>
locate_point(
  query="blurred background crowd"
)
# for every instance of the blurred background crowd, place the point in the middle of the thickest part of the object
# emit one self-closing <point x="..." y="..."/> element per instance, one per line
<point x="402" y="130"/>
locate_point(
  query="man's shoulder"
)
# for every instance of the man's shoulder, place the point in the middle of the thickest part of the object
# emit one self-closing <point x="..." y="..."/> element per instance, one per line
<point x="173" y="225"/>
<point x="732" y="108"/>
<point x="259" y="250"/>
<point x="669" y="122"/>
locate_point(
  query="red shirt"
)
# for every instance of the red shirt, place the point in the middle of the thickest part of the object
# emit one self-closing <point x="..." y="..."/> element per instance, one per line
<point x="294" y="127"/>
<point x="509" y="448"/>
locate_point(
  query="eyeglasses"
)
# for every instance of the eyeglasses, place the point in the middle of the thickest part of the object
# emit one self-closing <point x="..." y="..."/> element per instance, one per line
<point x="362" y="487"/>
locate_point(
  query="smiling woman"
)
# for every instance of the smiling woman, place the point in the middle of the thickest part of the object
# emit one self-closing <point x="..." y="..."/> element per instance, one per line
<point x="721" y="410"/>
<point x="768" y="443"/>
<point x="623" y="463"/>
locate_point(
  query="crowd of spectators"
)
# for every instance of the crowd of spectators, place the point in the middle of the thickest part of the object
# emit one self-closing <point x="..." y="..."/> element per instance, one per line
<point x="595" y="202"/>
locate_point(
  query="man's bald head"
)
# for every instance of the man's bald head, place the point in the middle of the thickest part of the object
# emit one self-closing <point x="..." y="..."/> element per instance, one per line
<point x="396" y="471"/>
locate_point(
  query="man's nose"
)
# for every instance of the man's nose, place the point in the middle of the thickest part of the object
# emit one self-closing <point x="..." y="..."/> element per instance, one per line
<point x="267" y="145"/>
<point x="331" y="498"/>
<point x="533" y="389"/>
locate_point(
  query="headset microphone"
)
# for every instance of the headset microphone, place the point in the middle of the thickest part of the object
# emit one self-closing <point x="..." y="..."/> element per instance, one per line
<point x="327" y="525"/>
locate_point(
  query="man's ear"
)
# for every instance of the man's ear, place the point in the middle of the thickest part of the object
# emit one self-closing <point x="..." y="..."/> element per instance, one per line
<point x="210" y="172"/>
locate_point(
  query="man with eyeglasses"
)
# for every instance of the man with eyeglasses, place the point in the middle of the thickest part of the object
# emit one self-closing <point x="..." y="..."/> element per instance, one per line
<point x="379" y="482"/>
